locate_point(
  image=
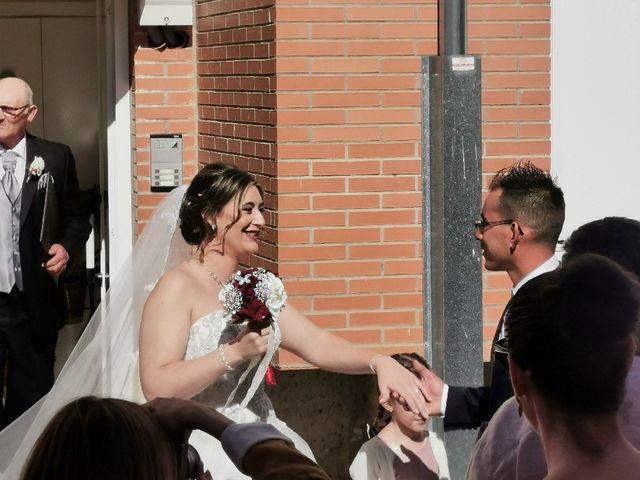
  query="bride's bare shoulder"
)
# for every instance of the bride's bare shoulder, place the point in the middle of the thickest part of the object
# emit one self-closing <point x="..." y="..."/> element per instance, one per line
<point x="179" y="279"/>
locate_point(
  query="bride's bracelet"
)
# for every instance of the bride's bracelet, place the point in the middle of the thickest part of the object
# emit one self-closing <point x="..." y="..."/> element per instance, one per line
<point x="373" y="370"/>
<point x="223" y="359"/>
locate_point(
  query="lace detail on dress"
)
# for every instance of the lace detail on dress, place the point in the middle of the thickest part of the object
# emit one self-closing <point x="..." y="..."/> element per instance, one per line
<point x="206" y="334"/>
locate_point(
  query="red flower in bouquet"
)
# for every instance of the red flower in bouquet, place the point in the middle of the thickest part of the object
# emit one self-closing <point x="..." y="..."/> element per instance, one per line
<point x="256" y="296"/>
<point x="252" y="309"/>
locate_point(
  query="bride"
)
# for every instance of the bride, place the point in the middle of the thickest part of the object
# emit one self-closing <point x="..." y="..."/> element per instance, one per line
<point x="190" y="348"/>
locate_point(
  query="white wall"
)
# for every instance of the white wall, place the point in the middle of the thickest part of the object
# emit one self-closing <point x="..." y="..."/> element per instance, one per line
<point x="595" y="108"/>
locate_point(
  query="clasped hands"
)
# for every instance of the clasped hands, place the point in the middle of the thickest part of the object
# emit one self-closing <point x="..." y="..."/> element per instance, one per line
<point x="429" y="387"/>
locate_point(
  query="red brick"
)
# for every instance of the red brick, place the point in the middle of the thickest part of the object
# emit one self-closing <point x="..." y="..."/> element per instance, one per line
<point x="398" y="234"/>
<point x="379" y="48"/>
<point x="350" y="302"/>
<point x="345" y="99"/>
<point x="293" y="237"/>
<point x="382" y="285"/>
<point x="380" y="13"/>
<point x="382" y="318"/>
<point x="396" y="335"/>
<point x="341" y="269"/>
<point x="382" y="150"/>
<point x="311" y="185"/>
<point x="344" y="133"/>
<point x="400" y="250"/>
<point x="309" y="14"/>
<point x="294" y="219"/>
<point x="346" y="235"/>
<point x="310" y="253"/>
<point x="382" y="217"/>
<point x="345" y="168"/>
<point x="403" y="267"/>
<point x="518" y="148"/>
<point x="382" y="184"/>
<point x="345" y="202"/>
<point x="311" y="287"/>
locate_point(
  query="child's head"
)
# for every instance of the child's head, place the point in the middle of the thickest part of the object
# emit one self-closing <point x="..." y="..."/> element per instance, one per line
<point x="396" y="410"/>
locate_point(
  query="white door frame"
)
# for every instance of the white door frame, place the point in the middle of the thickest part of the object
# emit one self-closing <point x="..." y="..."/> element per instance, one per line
<point x="113" y="48"/>
<point x="118" y="133"/>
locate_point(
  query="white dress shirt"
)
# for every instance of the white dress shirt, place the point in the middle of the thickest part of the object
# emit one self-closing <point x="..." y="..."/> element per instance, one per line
<point x="21" y="161"/>
<point x="549" y="265"/>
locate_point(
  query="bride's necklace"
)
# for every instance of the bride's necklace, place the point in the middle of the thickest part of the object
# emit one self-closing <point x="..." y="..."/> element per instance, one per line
<point x="215" y="277"/>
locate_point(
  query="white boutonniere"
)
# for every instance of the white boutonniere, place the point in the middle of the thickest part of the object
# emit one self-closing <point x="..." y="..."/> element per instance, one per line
<point x="36" y="168"/>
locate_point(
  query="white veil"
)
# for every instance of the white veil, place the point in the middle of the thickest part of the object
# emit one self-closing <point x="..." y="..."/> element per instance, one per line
<point x="104" y="362"/>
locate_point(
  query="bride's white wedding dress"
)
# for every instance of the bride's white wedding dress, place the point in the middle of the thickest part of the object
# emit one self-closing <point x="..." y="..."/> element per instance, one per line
<point x="229" y="393"/>
<point x="104" y="361"/>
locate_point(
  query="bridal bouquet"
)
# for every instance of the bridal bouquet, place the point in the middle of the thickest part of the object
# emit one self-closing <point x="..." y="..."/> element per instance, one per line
<point x="255" y="296"/>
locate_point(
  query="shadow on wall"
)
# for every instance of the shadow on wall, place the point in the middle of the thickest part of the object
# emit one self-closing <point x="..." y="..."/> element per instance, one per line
<point x="329" y="410"/>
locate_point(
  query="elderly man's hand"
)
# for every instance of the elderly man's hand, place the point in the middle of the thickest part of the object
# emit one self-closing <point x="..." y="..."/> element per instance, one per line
<point x="58" y="261"/>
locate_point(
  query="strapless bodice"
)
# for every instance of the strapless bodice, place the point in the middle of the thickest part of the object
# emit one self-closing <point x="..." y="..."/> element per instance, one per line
<point x="205" y="335"/>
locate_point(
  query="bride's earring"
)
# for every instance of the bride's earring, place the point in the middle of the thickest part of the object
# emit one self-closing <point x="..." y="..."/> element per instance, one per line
<point x="214" y="229"/>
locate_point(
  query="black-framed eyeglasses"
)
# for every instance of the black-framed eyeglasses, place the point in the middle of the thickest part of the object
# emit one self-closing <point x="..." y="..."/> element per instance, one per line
<point x="501" y="352"/>
<point x="482" y="225"/>
<point x="13" y="112"/>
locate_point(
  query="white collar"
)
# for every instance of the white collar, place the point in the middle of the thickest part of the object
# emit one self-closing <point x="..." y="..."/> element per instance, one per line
<point x="20" y="149"/>
<point x="549" y="265"/>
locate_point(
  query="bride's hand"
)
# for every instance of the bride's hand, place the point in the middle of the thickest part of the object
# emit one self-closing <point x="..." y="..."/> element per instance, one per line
<point x="394" y="379"/>
<point x="250" y="343"/>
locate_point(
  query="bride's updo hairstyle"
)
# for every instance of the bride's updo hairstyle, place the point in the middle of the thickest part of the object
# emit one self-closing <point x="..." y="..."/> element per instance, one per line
<point x="572" y="333"/>
<point x="210" y="191"/>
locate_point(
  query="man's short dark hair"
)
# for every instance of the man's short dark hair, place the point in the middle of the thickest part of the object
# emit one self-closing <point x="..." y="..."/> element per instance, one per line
<point x="531" y="196"/>
<point x="617" y="238"/>
<point x="572" y="333"/>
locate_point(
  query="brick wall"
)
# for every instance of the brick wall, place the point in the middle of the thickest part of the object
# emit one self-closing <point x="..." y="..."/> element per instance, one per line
<point x="164" y="99"/>
<point x="236" y="96"/>
<point x="348" y="102"/>
<point x="513" y="37"/>
<point x="321" y="100"/>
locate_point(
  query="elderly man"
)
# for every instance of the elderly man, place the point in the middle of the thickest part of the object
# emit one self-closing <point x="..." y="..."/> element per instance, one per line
<point x="518" y="230"/>
<point x="38" y="182"/>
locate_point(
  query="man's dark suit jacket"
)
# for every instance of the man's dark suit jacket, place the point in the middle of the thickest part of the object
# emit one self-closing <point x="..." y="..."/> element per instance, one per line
<point x="43" y="301"/>
<point x="470" y="407"/>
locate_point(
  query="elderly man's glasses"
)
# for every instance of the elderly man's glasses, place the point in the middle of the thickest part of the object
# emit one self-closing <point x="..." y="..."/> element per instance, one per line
<point x="13" y="112"/>
<point x="481" y="225"/>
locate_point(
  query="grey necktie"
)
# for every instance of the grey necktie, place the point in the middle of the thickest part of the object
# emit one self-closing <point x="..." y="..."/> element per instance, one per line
<point x="9" y="180"/>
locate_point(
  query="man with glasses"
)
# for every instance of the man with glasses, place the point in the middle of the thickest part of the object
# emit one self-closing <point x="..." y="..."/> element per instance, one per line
<point x="518" y="230"/>
<point x="510" y="447"/>
<point x="43" y="222"/>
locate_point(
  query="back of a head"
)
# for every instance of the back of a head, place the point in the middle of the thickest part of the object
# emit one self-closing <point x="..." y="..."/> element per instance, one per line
<point x="406" y="359"/>
<point x="573" y="334"/>
<point x="531" y="196"/>
<point x="101" y="439"/>
<point x="617" y="238"/>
